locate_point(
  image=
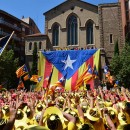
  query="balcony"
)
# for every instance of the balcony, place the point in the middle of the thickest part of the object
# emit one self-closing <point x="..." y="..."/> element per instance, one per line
<point x="14" y="36"/>
<point x="9" y="25"/>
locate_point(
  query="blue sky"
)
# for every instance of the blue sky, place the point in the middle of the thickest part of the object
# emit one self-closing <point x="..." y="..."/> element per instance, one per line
<point x="35" y="8"/>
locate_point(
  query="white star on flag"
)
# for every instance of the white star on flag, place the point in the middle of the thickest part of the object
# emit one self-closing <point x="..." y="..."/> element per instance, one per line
<point x="68" y="62"/>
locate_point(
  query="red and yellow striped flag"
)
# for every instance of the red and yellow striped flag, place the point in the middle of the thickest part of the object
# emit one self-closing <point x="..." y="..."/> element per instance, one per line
<point x="36" y="78"/>
<point x="45" y="66"/>
<point x="21" y="71"/>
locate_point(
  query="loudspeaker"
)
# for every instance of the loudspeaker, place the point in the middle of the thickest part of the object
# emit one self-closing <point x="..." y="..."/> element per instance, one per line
<point x="88" y="86"/>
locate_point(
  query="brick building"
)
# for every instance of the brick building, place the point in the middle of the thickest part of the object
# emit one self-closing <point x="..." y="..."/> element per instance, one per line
<point x="125" y="13"/>
<point x="42" y="42"/>
<point x="8" y="24"/>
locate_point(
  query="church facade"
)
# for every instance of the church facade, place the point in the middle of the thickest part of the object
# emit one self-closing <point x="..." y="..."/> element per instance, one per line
<point x="75" y="24"/>
<point x="78" y="24"/>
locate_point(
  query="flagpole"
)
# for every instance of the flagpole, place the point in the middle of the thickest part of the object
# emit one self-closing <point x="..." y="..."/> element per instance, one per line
<point x="6" y="43"/>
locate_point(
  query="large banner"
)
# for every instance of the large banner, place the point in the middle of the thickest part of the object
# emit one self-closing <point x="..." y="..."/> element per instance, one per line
<point x="69" y="64"/>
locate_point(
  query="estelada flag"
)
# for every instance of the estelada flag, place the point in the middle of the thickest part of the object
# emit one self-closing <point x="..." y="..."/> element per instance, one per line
<point x="89" y="75"/>
<point x="26" y="77"/>
<point x="21" y="71"/>
<point x="60" y="83"/>
<point x="95" y="73"/>
<point x="36" y="78"/>
<point x="47" y="80"/>
<point x="68" y="63"/>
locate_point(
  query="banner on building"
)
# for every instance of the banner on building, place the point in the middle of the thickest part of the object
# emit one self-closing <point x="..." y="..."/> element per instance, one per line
<point x="69" y="64"/>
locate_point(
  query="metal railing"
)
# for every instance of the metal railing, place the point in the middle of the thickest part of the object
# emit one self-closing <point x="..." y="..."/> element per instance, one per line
<point x="9" y="25"/>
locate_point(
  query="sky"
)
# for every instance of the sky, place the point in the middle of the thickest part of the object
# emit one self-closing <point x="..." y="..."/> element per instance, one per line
<point x="35" y="8"/>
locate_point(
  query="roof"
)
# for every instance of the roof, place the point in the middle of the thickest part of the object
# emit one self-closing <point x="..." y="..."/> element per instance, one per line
<point x="108" y="4"/>
<point x="19" y="20"/>
<point x="67" y="2"/>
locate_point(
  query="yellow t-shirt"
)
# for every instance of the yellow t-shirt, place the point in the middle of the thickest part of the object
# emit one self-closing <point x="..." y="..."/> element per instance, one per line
<point x="71" y="126"/>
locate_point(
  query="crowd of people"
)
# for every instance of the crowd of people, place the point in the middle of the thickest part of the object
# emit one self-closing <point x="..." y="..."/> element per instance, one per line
<point x="98" y="109"/>
<point x="71" y="48"/>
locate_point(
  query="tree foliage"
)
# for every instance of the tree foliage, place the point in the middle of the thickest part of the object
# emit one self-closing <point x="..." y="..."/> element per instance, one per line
<point x="34" y="61"/>
<point x="116" y="48"/>
<point x="8" y="67"/>
<point x="120" y="66"/>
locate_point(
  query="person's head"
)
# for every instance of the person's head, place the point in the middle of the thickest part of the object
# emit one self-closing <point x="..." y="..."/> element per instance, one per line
<point x="53" y="122"/>
<point x="87" y="126"/>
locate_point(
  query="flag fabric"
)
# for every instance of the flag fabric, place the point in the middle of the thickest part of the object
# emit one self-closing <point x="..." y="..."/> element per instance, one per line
<point x="79" y="82"/>
<point x="106" y="71"/>
<point x="20" y="85"/>
<point x="116" y="83"/>
<point x="60" y="82"/>
<point x="89" y="75"/>
<point x="26" y="77"/>
<point x="95" y="72"/>
<point x="36" y="78"/>
<point x="48" y="79"/>
<point x="69" y="63"/>
<point x="3" y="43"/>
<point x="21" y="71"/>
<point x="52" y="87"/>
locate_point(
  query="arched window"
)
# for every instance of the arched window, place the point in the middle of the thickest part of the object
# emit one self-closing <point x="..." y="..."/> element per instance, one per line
<point x="89" y="32"/>
<point x="72" y="32"/>
<point x="55" y="35"/>
<point x="30" y="46"/>
<point x="40" y="45"/>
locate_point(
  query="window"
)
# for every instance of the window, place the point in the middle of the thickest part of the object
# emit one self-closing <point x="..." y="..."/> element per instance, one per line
<point x="89" y="32"/>
<point x="111" y="38"/>
<point x="30" y="46"/>
<point x="55" y="35"/>
<point x="72" y="31"/>
<point x="40" y="45"/>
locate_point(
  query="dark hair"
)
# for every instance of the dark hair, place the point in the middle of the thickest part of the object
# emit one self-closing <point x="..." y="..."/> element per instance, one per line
<point x="124" y="127"/>
<point x="53" y="124"/>
<point x="127" y="127"/>
<point x="85" y="127"/>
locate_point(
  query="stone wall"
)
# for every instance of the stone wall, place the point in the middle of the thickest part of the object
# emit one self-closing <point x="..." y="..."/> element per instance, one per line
<point x="83" y="11"/>
<point x="110" y="27"/>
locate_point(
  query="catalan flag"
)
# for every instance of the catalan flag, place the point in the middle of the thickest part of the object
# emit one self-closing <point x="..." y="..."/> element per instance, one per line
<point x="36" y="78"/>
<point x="68" y="63"/>
<point x="21" y="71"/>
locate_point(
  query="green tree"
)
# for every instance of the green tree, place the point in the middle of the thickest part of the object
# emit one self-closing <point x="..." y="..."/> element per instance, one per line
<point x="116" y="48"/>
<point x="120" y="66"/>
<point x="35" y="58"/>
<point x="127" y="39"/>
<point x="8" y="67"/>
